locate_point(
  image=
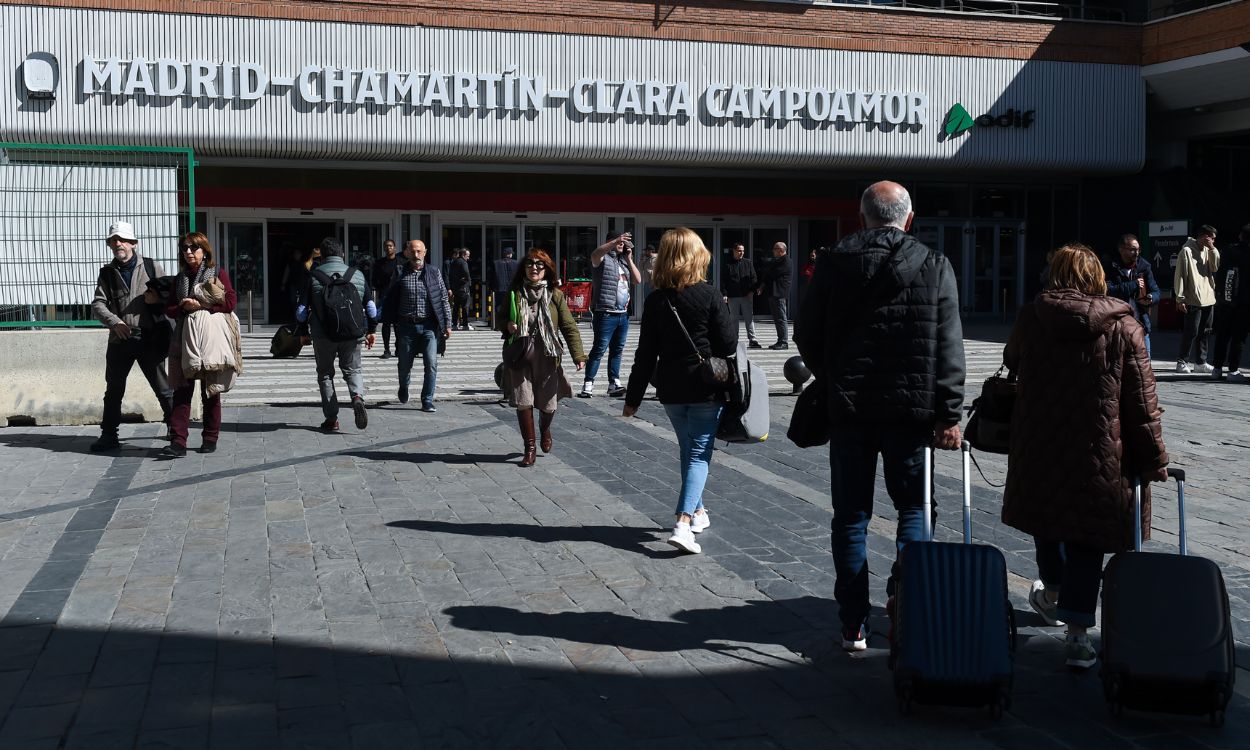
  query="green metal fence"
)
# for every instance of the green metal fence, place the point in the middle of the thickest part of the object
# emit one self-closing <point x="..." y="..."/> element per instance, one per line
<point x="56" y="204"/>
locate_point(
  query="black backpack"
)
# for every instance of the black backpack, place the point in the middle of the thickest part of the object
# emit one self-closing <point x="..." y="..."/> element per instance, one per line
<point x="339" y="308"/>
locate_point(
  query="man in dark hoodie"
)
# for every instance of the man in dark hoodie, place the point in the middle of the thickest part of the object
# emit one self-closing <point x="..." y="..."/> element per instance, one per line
<point x="889" y="350"/>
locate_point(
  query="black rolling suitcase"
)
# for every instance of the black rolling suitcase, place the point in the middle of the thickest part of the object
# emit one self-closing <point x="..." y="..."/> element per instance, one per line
<point x="954" y="629"/>
<point x="286" y="343"/>
<point x="1167" y="632"/>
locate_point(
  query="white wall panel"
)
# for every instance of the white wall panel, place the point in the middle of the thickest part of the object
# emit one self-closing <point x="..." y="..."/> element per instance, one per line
<point x="1088" y="117"/>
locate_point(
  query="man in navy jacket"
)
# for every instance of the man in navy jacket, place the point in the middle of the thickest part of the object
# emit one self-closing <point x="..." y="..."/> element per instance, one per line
<point x="1132" y="279"/>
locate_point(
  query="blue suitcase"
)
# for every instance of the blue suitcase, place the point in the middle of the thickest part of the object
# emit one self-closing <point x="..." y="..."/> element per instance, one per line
<point x="954" y="629"/>
<point x="1167" y="631"/>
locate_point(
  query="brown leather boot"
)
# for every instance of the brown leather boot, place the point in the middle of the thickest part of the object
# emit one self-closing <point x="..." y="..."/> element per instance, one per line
<point x="525" y="418"/>
<point x="544" y="422"/>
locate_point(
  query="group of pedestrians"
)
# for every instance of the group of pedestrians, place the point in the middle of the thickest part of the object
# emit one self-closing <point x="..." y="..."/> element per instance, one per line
<point x="1212" y="292"/>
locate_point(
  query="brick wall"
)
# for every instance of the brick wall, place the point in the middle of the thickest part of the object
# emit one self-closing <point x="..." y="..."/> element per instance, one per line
<point x="1211" y="30"/>
<point x="773" y="24"/>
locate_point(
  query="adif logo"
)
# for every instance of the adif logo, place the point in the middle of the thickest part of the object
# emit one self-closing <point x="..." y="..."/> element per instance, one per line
<point x="958" y="121"/>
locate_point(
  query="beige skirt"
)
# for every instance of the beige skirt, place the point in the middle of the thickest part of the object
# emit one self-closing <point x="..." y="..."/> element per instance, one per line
<point x="540" y="384"/>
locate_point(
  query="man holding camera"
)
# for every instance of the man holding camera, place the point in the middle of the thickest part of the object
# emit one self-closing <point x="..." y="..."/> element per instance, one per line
<point x="1132" y="279"/>
<point x="132" y="312"/>
<point x="614" y="274"/>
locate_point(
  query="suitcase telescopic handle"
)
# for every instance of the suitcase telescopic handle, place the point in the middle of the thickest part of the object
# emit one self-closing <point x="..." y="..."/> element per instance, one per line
<point x="1179" y="476"/>
<point x="930" y="455"/>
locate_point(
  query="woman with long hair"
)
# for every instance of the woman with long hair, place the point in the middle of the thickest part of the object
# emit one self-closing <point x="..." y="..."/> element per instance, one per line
<point x="197" y="266"/>
<point x="682" y="297"/>
<point x="537" y="308"/>
<point x="1086" y="425"/>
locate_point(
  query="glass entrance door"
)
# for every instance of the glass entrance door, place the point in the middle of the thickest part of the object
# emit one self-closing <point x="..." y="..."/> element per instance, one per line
<point x="996" y="257"/>
<point x="242" y="254"/>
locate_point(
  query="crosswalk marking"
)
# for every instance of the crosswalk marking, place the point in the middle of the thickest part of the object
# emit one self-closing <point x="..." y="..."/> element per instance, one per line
<point x="467" y="370"/>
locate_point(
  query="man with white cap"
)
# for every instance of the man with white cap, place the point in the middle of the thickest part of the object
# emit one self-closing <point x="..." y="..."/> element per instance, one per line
<point x="138" y="329"/>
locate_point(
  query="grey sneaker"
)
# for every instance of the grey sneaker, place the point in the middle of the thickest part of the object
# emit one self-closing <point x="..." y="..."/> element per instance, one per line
<point x="1080" y="651"/>
<point x="1183" y="366"/>
<point x="1235" y="376"/>
<point x="1203" y="367"/>
<point x="1037" y="600"/>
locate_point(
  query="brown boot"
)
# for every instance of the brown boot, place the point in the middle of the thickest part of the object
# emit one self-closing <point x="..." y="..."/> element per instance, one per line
<point x="525" y="417"/>
<point x="544" y="421"/>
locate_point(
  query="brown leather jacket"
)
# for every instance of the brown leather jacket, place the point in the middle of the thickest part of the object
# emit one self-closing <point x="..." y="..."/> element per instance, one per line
<point x="1086" y="421"/>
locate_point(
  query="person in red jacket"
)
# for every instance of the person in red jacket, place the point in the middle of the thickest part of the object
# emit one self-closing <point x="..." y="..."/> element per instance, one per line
<point x="196" y="265"/>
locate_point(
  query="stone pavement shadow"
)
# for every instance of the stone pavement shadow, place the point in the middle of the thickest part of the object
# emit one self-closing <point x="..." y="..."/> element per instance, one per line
<point x="624" y="538"/>
<point x="79" y="443"/>
<point x="73" y="687"/>
<point x="425" y="458"/>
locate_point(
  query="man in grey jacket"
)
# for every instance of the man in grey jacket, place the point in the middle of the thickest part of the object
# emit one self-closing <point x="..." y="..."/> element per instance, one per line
<point x="326" y="349"/>
<point x="138" y="329"/>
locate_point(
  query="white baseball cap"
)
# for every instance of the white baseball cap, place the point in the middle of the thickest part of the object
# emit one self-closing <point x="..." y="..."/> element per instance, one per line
<point x="123" y="230"/>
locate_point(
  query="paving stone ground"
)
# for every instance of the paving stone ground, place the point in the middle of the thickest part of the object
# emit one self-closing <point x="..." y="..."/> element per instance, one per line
<point x="408" y="586"/>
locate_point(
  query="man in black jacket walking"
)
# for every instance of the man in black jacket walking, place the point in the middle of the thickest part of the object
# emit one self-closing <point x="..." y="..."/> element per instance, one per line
<point x="889" y="351"/>
<point x="737" y="286"/>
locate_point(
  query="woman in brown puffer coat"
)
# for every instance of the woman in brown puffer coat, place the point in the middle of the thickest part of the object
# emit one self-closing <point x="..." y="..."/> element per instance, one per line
<point x="1086" y="423"/>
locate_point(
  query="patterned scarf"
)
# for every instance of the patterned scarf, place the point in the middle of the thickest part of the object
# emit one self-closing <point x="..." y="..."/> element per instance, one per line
<point x="186" y="283"/>
<point x="534" y="307"/>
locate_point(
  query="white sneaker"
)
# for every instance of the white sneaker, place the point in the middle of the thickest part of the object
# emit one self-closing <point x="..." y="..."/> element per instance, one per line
<point x="1037" y="600"/>
<point x="699" y="522"/>
<point x="683" y="539"/>
<point x="1236" y="377"/>
<point x="1183" y="366"/>
<point x="1203" y="367"/>
<point x="1217" y="373"/>
<point x="588" y="389"/>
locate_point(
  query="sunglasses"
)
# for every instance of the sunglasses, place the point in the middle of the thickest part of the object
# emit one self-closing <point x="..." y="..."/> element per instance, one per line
<point x="191" y="248"/>
<point x="535" y="264"/>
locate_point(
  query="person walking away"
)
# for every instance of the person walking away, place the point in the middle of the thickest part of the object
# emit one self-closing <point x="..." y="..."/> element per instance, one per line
<point x="341" y="316"/>
<point x="1193" y="285"/>
<point x="738" y="286"/>
<point x="502" y="272"/>
<point x="384" y="272"/>
<point x="683" y="298"/>
<point x="1132" y="279"/>
<point x="614" y="274"/>
<point x="882" y="335"/>
<point x="537" y="308"/>
<point x="775" y="285"/>
<point x="460" y="282"/>
<point x="197" y="265"/>
<point x="138" y="330"/>
<point x="1232" y="308"/>
<point x="417" y="302"/>
<point x="1086" y="424"/>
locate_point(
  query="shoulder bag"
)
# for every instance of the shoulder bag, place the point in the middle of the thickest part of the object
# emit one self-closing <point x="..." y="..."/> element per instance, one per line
<point x="989" y="423"/>
<point x="713" y="370"/>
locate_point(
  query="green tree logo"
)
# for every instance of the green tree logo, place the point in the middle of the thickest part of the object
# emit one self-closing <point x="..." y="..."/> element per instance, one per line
<point x="957" y="121"/>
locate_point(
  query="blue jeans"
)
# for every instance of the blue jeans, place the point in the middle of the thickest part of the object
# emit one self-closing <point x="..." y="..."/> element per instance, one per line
<point x="695" y="425"/>
<point x="853" y="453"/>
<point x="1076" y="573"/>
<point x="409" y="337"/>
<point x="611" y="330"/>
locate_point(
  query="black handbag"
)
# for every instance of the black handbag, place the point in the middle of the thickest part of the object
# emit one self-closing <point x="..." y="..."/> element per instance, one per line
<point x="809" y="424"/>
<point x="989" y="425"/>
<point x="519" y="352"/>
<point x="715" y="371"/>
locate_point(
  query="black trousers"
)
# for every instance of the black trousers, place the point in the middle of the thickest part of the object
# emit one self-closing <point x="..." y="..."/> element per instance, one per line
<point x="119" y="359"/>
<point x="460" y="308"/>
<point x="1194" y="334"/>
<point x="1231" y="326"/>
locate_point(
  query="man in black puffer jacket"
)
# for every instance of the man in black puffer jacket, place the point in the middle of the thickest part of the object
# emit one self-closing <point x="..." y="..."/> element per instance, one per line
<point x="889" y="348"/>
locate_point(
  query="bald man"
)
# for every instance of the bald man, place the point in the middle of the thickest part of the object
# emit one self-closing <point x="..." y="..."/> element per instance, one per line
<point x="879" y="327"/>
